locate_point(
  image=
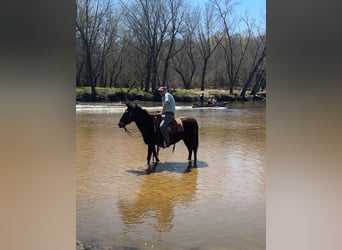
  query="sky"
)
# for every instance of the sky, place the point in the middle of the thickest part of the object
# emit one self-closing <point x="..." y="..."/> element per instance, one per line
<point x="256" y="9"/>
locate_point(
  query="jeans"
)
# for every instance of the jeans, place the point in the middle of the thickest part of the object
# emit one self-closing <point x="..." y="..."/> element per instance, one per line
<point x="166" y="119"/>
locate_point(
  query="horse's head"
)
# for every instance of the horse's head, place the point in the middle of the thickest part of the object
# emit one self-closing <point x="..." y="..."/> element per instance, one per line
<point x="127" y="117"/>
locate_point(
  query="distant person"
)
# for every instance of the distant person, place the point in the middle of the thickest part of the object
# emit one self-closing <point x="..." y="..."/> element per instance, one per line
<point x="201" y="98"/>
<point x="212" y="100"/>
<point x="168" y="114"/>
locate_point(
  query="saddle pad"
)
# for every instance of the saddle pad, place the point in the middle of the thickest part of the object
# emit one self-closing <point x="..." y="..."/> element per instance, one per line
<point x="177" y="125"/>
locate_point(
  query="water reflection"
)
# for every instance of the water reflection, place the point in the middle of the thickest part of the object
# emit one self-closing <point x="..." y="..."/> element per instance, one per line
<point x="221" y="205"/>
<point x="158" y="195"/>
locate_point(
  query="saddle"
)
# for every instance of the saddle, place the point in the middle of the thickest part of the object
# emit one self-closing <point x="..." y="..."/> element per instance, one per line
<point x="174" y="127"/>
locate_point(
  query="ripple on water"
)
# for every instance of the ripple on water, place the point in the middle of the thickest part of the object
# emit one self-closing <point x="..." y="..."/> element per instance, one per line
<point x="220" y="203"/>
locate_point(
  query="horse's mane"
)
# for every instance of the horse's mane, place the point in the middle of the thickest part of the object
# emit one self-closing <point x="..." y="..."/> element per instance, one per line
<point x="145" y="123"/>
<point x="144" y="111"/>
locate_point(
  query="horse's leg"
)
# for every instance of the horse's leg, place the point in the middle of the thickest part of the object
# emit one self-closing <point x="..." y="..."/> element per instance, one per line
<point x="195" y="158"/>
<point x="192" y="147"/>
<point x="189" y="157"/>
<point x="195" y="147"/>
<point x="151" y="149"/>
<point x="187" y="144"/>
<point x="190" y="138"/>
<point x="155" y="154"/>
<point x="149" y="154"/>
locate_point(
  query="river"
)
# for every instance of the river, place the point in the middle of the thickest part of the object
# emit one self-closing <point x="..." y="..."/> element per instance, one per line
<point x="219" y="205"/>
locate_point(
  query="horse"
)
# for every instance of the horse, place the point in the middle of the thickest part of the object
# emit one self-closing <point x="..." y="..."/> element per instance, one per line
<point x="149" y="129"/>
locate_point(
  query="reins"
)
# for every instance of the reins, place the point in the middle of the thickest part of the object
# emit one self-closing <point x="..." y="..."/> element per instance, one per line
<point x="132" y="134"/>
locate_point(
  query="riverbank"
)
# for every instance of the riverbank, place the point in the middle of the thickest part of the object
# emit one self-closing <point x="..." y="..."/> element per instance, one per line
<point x="83" y="94"/>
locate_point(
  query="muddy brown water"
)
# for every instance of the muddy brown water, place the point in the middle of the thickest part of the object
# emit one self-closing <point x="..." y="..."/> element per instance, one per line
<point x="219" y="205"/>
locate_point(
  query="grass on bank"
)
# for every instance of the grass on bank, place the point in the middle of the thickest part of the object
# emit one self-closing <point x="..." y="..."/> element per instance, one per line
<point x="83" y="94"/>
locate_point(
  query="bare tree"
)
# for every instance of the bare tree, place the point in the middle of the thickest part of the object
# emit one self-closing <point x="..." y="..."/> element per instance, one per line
<point x="157" y="36"/>
<point x="146" y="19"/>
<point x="260" y="81"/>
<point x="115" y="68"/>
<point x="133" y="55"/>
<point x="91" y="16"/>
<point x="207" y="41"/>
<point x="80" y="62"/>
<point x="184" y="62"/>
<point x="110" y="51"/>
<point x="176" y="21"/>
<point x="234" y="44"/>
<point x="257" y="54"/>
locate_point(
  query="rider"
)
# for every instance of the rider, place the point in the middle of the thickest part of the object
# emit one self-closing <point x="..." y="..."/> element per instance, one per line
<point x="201" y="98"/>
<point x="168" y="114"/>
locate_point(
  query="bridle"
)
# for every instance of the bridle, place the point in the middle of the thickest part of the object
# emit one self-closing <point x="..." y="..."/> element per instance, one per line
<point x="131" y="134"/>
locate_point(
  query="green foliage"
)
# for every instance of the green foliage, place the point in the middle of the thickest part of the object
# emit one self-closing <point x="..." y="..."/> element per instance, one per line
<point x="180" y="95"/>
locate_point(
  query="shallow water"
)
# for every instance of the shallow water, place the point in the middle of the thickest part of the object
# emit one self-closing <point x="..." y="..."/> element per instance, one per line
<point x="219" y="205"/>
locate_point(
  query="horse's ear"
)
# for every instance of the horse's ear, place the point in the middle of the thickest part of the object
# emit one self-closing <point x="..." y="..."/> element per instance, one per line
<point x="130" y="105"/>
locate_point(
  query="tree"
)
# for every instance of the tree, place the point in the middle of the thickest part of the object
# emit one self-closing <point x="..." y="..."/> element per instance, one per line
<point x="260" y="81"/>
<point x="175" y="22"/>
<point x="80" y="62"/>
<point x="91" y="17"/>
<point x="207" y="41"/>
<point x="234" y="44"/>
<point x="152" y="38"/>
<point x="146" y="19"/>
<point x="257" y="54"/>
<point x="184" y="62"/>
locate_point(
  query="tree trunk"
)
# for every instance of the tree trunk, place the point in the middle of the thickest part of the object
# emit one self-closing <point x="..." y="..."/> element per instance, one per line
<point x="252" y="73"/>
<point x="259" y="80"/>
<point x="204" y="69"/>
<point x="91" y="77"/>
<point x="148" y="73"/>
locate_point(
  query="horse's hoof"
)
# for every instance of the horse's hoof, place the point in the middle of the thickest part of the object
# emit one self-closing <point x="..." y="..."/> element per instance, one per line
<point x="187" y="170"/>
<point x="150" y="169"/>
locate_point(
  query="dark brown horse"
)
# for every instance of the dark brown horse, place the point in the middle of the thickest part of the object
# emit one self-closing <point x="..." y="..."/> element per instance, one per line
<point x="149" y="129"/>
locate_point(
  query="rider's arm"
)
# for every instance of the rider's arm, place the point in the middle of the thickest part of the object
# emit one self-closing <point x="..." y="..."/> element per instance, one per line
<point x="165" y="106"/>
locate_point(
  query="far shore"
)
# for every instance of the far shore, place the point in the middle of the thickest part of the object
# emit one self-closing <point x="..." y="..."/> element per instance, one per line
<point x="83" y="94"/>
